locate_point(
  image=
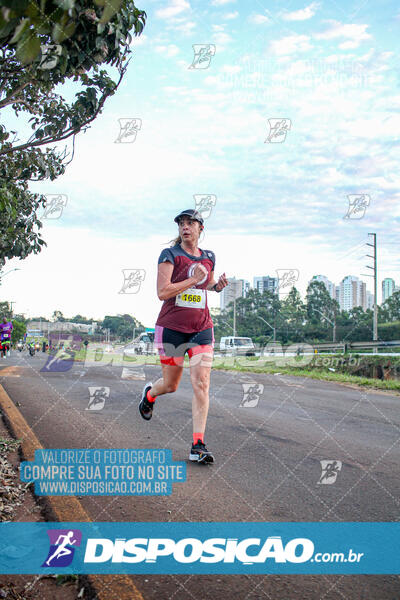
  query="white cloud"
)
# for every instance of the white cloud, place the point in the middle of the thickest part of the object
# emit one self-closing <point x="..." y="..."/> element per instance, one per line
<point x="290" y="44"/>
<point x="186" y="27"/>
<point x="232" y="15"/>
<point x="302" y="14"/>
<point x="170" y="50"/>
<point x="174" y="8"/>
<point x="355" y="34"/>
<point x="231" y="69"/>
<point x="139" y="41"/>
<point x="222" y="38"/>
<point x="217" y="27"/>
<point x="221" y="2"/>
<point x="257" y="19"/>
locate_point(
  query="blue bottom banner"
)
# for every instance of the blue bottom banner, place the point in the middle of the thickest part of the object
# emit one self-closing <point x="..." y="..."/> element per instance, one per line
<point x="200" y="548"/>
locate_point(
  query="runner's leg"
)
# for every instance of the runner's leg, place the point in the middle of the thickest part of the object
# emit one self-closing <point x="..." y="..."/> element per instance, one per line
<point x="200" y="369"/>
<point x="168" y="383"/>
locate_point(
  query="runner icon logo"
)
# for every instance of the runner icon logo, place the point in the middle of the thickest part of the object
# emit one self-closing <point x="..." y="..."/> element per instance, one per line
<point x="204" y="204"/>
<point x="287" y="277"/>
<point x="55" y="204"/>
<point x="62" y="542"/>
<point x="330" y="470"/>
<point x="203" y="54"/>
<point x="132" y="280"/>
<point x="98" y="397"/>
<point x="128" y="129"/>
<point x="278" y="129"/>
<point x="251" y="394"/>
<point x="358" y="204"/>
<point x="50" y="56"/>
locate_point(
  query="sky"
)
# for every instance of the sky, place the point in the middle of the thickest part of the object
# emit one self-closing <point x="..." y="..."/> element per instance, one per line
<point x="296" y="109"/>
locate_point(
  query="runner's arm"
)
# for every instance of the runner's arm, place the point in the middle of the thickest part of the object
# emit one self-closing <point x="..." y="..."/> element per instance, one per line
<point x="166" y="289"/>
<point x="212" y="281"/>
<point x="222" y="282"/>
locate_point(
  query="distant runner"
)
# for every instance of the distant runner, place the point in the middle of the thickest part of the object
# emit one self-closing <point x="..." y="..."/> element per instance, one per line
<point x="6" y="328"/>
<point x="185" y="273"/>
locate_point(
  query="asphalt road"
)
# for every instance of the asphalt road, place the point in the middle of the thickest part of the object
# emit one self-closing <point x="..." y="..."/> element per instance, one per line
<point x="267" y="460"/>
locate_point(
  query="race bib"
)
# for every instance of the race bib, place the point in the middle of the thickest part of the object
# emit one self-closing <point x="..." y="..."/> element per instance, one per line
<point x="191" y="298"/>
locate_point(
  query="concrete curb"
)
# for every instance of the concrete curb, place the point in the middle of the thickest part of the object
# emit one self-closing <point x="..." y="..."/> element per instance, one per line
<point x="65" y="508"/>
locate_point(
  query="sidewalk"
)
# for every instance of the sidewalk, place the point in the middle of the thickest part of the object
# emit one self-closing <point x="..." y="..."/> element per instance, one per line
<point x="17" y="503"/>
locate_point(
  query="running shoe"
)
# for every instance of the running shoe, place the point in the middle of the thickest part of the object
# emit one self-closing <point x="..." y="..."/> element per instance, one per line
<point x="199" y="453"/>
<point x="146" y="407"/>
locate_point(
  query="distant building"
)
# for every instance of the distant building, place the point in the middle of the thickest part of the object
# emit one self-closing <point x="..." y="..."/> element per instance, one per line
<point x="266" y="284"/>
<point x="246" y="287"/>
<point x="388" y="288"/>
<point x="330" y="287"/>
<point x="370" y="300"/>
<point x="352" y="293"/>
<point x="234" y="289"/>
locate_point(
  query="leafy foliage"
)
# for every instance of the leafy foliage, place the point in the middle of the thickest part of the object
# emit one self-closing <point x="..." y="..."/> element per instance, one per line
<point x="44" y="44"/>
<point x="122" y="326"/>
<point x="18" y="331"/>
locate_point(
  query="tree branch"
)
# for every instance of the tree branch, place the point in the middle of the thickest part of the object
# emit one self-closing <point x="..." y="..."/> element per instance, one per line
<point x="71" y="130"/>
<point x="8" y="100"/>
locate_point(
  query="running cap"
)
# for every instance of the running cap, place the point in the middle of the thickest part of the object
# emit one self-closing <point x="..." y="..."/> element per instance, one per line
<point x="193" y="214"/>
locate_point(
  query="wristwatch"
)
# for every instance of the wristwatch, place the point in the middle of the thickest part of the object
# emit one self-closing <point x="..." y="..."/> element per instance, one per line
<point x="215" y="288"/>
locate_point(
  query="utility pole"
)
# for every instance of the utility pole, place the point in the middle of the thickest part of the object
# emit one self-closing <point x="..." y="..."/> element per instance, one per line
<point x="375" y="269"/>
<point x="234" y="314"/>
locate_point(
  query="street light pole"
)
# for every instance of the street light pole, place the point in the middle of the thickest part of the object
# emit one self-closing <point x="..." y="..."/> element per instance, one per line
<point x="4" y="274"/>
<point x="331" y="322"/>
<point x="266" y="322"/>
<point x="234" y="316"/>
<point x="375" y="268"/>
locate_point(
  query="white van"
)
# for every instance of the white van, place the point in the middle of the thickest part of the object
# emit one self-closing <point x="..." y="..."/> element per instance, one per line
<point x="143" y="344"/>
<point x="237" y="345"/>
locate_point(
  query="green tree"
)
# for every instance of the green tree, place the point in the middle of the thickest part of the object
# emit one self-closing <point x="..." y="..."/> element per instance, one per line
<point x="122" y="326"/>
<point x="80" y="319"/>
<point x="391" y="308"/>
<point x="58" y="316"/>
<point x="44" y="44"/>
<point x="293" y="314"/>
<point x="19" y="330"/>
<point x="5" y="310"/>
<point x="319" y="301"/>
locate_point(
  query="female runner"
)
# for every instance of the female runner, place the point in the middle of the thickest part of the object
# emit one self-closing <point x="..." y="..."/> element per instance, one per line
<point x="185" y="273"/>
